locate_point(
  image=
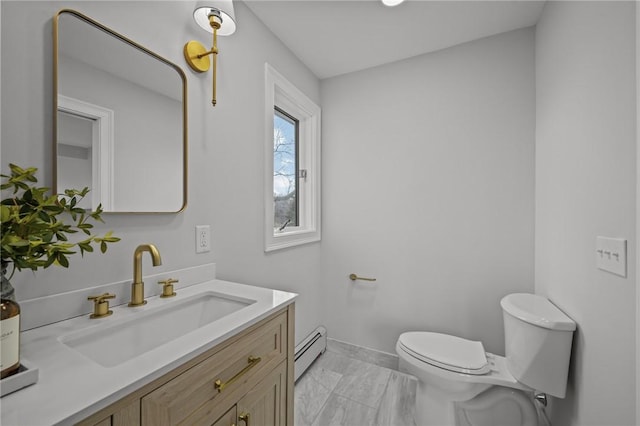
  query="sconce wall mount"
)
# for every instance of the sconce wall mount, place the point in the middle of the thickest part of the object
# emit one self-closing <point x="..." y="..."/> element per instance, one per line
<point x="217" y="17"/>
<point x="197" y="56"/>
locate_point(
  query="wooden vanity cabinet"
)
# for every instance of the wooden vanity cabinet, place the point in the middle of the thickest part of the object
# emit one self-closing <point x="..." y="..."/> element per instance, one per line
<point x="264" y="405"/>
<point x="244" y="381"/>
<point x="229" y="418"/>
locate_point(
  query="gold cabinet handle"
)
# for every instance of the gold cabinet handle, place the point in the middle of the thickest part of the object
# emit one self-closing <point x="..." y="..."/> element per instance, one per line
<point x="245" y="418"/>
<point x="252" y="362"/>
<point x="354" y="277"/>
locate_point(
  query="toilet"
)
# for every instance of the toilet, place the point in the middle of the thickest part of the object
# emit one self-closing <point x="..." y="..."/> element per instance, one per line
<point x="461" y="384"/>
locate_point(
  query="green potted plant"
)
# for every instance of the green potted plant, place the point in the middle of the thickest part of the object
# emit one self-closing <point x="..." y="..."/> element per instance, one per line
<point x="35" y="234"/>
<point x="36" y="226"/>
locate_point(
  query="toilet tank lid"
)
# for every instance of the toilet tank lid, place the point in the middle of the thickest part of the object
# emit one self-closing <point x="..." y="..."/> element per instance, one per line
<point x="537" y="310"/>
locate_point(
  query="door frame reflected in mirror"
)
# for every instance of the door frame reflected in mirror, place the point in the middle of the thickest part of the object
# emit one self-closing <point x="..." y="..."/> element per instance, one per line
<point x="101" y="147"/>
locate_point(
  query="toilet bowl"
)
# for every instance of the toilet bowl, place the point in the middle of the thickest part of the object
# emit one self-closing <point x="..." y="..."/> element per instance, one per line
<point x="461" y="384"/>
<point x="442" y="390"/>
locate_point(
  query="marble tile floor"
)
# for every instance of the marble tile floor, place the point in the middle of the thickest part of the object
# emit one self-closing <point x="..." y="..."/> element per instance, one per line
<point x="339" y="390"/>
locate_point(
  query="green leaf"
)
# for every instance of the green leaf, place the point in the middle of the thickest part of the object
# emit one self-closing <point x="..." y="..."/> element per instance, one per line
<point x="62" y="260"/>
<point x="44" y="216"/>
<point x="5" y="213"/>
<point x="53" y="209"/>
<point x="49" y="262"/>
<point x="19" y="243"/>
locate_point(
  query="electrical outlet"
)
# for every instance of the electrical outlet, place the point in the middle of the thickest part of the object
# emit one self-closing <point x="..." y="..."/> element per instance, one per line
<point x="203" y="239"/>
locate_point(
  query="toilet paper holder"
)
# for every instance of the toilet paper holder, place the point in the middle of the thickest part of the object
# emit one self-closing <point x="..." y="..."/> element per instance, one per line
<point x="354" y="277"/>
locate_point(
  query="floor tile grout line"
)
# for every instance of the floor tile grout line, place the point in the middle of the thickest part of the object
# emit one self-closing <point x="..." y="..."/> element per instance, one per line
<point x="365" y="404"/>
<point x="319" y="411"/>
<point x="384" y="392"/>
<point x="309" y="371"/>
<point x="376" y="409"/>
<point x="366" y="362"/>
<point x="320" y="383"/>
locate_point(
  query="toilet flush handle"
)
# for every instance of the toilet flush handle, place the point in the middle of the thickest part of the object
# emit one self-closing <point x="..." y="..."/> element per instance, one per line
<point x="541" y="398"/>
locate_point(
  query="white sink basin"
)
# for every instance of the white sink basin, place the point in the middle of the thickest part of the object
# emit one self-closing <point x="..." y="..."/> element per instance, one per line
<point x="116" y="342"/>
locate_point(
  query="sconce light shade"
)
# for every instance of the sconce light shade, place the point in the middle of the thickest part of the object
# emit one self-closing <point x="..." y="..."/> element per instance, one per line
<point x="391" y="3"/>
<point x="227" y="14"/>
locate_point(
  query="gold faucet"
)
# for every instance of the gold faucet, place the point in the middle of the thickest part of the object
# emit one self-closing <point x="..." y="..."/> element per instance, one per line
<point x="137" y="287"/>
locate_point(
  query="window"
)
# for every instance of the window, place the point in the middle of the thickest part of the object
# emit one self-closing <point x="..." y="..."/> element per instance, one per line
<point x="285" y="169"/>
<point x="292" y="166"/>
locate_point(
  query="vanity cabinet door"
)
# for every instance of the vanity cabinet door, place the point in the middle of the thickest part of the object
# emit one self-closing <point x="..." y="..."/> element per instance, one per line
<point x="128" y="416"/>
<point x="228" y="419"/>
<point x="265" y="404"/>
<point x="123" y="415"/>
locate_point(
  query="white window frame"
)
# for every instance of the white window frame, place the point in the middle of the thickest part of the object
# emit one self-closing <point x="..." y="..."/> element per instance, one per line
<point x="283" y="94"/>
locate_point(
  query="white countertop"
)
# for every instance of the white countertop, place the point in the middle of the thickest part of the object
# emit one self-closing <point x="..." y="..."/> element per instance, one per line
<point x="71" y="386"/>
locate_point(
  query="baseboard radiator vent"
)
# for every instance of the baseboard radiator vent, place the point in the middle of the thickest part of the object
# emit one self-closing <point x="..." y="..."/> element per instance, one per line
<point x="309" y="349"/>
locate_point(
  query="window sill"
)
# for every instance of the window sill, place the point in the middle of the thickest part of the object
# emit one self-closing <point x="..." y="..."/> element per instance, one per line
<point x="293" y="238"/>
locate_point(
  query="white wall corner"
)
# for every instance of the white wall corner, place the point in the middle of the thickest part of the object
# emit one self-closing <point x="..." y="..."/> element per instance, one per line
<point x="637" y="212"/>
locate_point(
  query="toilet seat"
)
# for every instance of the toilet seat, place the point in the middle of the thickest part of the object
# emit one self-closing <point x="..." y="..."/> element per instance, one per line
<point x="447" y="352"/>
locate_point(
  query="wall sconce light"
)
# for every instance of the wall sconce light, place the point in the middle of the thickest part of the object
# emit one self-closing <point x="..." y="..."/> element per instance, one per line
<point x="218" y="18"/>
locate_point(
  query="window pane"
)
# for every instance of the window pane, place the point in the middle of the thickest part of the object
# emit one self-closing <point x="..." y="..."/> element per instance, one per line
<point x="285" y="169"/>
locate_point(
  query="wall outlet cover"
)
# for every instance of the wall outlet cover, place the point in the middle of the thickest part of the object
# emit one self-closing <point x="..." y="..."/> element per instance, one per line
<point x="203" y="238"/>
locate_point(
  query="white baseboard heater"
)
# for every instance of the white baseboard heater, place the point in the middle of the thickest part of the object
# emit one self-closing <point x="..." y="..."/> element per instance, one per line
<point x="309" y="349"/>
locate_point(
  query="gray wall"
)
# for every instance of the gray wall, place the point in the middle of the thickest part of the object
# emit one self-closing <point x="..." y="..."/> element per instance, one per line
<point x="585" y="187"/>
<point x="429" y="188"/>
<point x="225" y="148"/>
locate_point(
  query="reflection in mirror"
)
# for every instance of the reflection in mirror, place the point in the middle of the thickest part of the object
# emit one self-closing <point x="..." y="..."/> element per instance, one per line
<point x="120" y="120"/>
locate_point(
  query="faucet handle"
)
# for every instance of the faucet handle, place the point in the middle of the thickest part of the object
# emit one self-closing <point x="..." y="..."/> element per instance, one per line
<point x="167" y="287"/>
<point x="101" y="305"/>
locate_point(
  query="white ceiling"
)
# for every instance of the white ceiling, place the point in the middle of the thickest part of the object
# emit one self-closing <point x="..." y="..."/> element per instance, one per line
<point x="334" y="37"/>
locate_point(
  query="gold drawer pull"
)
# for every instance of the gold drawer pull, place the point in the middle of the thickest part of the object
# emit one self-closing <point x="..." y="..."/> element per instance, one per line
<point x="245" y="418"/>
<point x="253" y="360"/>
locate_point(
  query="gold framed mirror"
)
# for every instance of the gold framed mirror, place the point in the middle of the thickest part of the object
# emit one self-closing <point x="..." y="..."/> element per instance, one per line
<point x="120" y="120"/>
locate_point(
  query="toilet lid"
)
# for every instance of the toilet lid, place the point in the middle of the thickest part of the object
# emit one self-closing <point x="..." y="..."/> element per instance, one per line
<point x="446" y="351"/>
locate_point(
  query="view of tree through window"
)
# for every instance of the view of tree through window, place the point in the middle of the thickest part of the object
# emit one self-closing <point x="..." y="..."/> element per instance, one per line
<point x="285" y="170"/>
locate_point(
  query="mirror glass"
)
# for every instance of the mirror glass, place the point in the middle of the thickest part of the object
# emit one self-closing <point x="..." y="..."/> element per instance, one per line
<point x="120" y="120"/>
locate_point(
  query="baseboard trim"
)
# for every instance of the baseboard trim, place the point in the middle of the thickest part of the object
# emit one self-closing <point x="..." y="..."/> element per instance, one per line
<point x="372" y="356"/>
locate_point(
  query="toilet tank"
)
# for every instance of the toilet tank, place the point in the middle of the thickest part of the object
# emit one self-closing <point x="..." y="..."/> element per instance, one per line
<point x="538" y="339"/>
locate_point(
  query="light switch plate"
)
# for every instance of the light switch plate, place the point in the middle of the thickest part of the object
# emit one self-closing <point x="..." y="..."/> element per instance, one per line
<point x="611" y="255"/>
